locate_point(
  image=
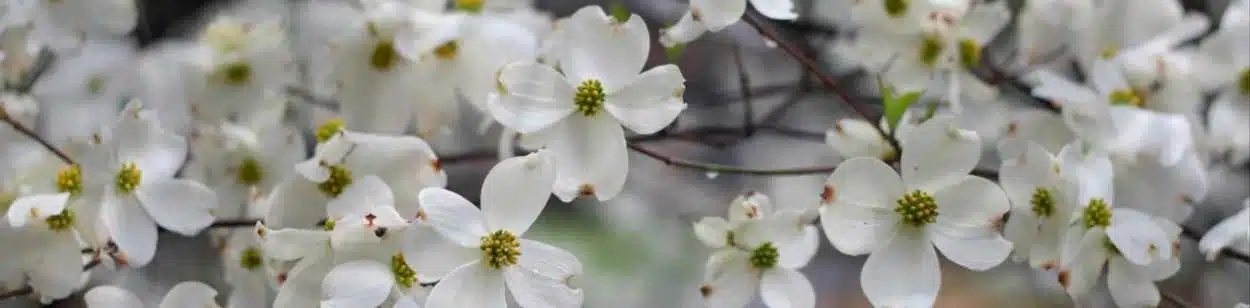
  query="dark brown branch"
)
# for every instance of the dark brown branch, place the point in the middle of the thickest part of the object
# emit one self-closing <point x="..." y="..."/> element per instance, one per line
<point x="744" y="85"/>
<point x="719" y="168"/>
<point x="811" y="66"/>
<point x="21" y="128"/>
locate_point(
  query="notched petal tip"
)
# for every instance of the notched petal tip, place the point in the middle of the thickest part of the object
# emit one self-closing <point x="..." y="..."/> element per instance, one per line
<point x="828" y="195"/>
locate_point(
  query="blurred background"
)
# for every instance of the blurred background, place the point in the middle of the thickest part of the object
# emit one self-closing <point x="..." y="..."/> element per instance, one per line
<point x="639" y="249"/>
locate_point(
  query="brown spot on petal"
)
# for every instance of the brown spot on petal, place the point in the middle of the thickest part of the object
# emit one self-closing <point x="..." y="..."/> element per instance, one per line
<point x="1152" y="248"/>
<point x="828" y="195"/>
<point x="705" y="290"/>
<point x="281" y="278"/>
<point x="421" y="216"/>
<point x="696" y="14"/>
<point x="1012" y="128"/>
<point x="997" y="222"/>
<point x="1048" y="265"/>
<point x="436" y="165"/>
<point x="379" y="232"/>
<point x="1063" y="278"/>
<point x="586" y="190"/>
<point x="837" y="126"/>
<point x="1176" y="248"/>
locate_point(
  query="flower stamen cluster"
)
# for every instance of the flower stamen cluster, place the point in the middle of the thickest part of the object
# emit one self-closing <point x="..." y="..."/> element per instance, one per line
<point x="1096" y="214"/>
<point x="62" y="221"/>
<point x="405" y="276"/>
<point x="765" y="256"/>
<point x="917" y="208"/>
<point x="1043" y="202"/>
<point x="249" y="172"/>
<point x="251" y="259"/>
<point x="69" y="180"/>
<point x="500" y="249"/>
<point x="128" y="178"/>
<point x="338" y="181"/>
<point x="589" y="98"/>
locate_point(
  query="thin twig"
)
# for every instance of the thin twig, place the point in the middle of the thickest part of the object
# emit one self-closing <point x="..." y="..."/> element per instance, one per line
<point x="234" y="223"/>
<point x="719" y="168"/>
<point x="744" y="85"/>
<point x="775" y="115"/>
<point x="812" y="67"/>
<point x="21" y="128"/>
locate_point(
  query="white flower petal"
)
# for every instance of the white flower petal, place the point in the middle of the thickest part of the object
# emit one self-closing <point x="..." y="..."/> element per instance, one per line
<point x="111" y="297"/>
<point x="361" y="197"/>
<point x="857" y="230"/>
<point x="1107" y="77"/>
<point x="1090" y="169"/>
<point x="718" y="14"/>
<point x="797" y="252"/>
<point x="302" y="288"/>
<point x="712" y="231"/>
<point x="36" y="207"/>
<point x="471" y="285"/>
<point x="591" y="157"/>
<point x="937" y="153"/>
<point x="852" y="138"/>
<point x="1137" y="237"/>
<point x="58" y="271"/>
<point x="611" y="52"/>
<point x="902" y="273"/>
<point x="291" y="244"/>
<point x="863" y="182"/>
<point x="453" y="216"/>
<point x="436" y="255"/>
<point x="541" y="277"/>
<point x="786" y="288"/>
<point x="406" y="302"/>
<point x="1059" y="89"/>
<point x="180" y="205"/>
<point x="966" y="228"/>
<point x="158" y="154"/>
<point x="516" y="190"/>
<point x="535" y="97"/>
<point x="750" y="205"/>
<point x="1230" y="230"/>
<point x="776" y="9"/>
<point x="189" y="294"/>
<point x="1083" y="258"/>
<point x="1130" y="285"/>
<point x="729" y="280"/>
<point x="686" y="29"/>
<point x="132" y="229"/>
<point x="362" y="283"/>
<point x="651" y="101"/>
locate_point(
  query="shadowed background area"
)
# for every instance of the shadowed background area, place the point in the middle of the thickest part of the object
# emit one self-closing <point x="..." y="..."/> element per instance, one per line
<point x="639" y="249"/>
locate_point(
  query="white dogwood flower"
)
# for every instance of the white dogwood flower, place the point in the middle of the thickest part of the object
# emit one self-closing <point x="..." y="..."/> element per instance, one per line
<point x="236" y="66"/>
<point x="757" y="250"/>
<point x="184" y="294"/>
<point x="578" y="113"/>
<point x="493" y="256"/>
<point x="143" y="159"/>
<point x="1138" y="248"/>
<point x="715" y="15"/>
<point x="867" y="208"/>
<point x="1232" y="233"/>
<point x="49" y="251"/>
<point x="1040" y="210"/>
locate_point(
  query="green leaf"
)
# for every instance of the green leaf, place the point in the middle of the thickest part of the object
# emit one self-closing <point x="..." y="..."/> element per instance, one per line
<point x="896" y="106"/>
<point x="619" y="12"/>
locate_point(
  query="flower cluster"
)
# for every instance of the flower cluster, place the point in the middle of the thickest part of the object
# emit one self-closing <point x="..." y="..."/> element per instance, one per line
<point x="312" y="157"/>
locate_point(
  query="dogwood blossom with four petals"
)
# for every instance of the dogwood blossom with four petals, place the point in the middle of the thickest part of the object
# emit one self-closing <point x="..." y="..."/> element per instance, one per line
<point x="578" y="114"/>
<point x="494" y="256"/>
<point x="867" y="209"/>
<point x="715" y="15"/>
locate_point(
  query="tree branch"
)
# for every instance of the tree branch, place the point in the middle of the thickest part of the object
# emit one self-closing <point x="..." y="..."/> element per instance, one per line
<point x="19" y="127"/>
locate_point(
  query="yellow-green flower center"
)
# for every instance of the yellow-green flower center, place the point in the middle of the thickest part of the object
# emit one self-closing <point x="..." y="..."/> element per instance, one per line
<point x="1109" y="52"/>
<point x="589" y="98"/>
<point x="328" y="225"/>
<point x="236" y="73"/>
<point x="969" y="53"/>
<point x="384" y="56"/>
<point x="765" y="256"/>
<point x="251" y="258"/>
<point x="338" y="181"/>
<point x="917" y="208"/>
<point x="405" y="277"/>
<point x="895" y="8"/>
<point x="249" y="172"/>
<point x="1043" y="203"/>
<point x="500" y="249"/>
<point x="447" y="51"/>
<point x="1243" y="81"/>
<point x="96" y="83"/>
<point x="1096" y="214"/>
<point x="128" y="178"/>
<point x="1125" y="97"/>
<point x="329" y="128"/>
<point x="471" y="6"/>
<point x="930" y="50"/>
<point x="62" y="221"/>
<point x="69" y="180"/>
